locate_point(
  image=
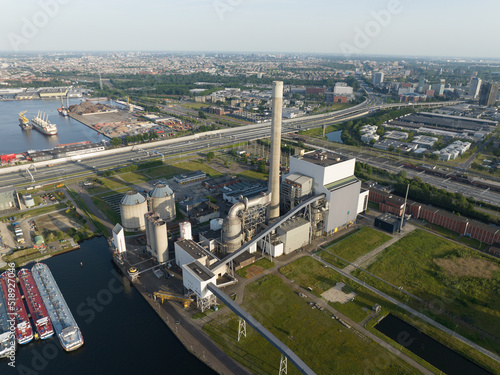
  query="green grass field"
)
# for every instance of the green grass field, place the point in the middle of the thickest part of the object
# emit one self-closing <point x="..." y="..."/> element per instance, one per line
<point x="358" y="244"/>
<point x="197" y="165"/>
<point x="166" y="171"/>
<point x="264" y="263"/>
<point x="133" y="177"/>
<point x="111" y="214"/>
<point x="320" y="341"/>
<point x="308" y="272"/>
<point x="465" y="283"/>
<point x="254" y="175"/>
<point x="194" y="105"/>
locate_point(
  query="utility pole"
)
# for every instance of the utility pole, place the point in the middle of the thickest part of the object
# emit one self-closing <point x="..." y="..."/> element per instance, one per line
<point x="404" y="207"/>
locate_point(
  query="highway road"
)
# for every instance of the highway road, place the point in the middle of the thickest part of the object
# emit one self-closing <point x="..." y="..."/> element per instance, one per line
<point x="396" y="166"/>
<point x="209" y="140"/>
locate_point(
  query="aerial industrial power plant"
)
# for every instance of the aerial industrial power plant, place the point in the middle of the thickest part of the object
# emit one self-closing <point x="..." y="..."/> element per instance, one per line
<point x="225" y="201"/>
<point x="318" y="196"/>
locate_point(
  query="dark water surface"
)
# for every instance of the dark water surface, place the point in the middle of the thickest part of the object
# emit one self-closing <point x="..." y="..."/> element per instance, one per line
<point x="432" y="351"/>
<point x="122" y="333"/>
<point x="334" y="136"/>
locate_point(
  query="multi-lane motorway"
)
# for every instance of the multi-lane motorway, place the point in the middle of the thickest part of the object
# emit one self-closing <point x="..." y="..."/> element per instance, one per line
<point x="219" y="138"/>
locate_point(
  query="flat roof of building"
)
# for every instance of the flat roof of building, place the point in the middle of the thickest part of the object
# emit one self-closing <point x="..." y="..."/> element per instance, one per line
<point x="389" y="218"/>
<point x="322" y="157"/>
<point x="195" y="250"/>
<point x="341" y="183"/>
<point x="293" y="224"/>
<point x="243" y="257"/>
<point x="298" y="178"/>
<point x="190" y="175"/>
<point x="200" y="271"/>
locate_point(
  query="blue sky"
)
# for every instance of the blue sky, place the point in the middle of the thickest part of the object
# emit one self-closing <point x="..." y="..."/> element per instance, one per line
<point x="431" y="28"/>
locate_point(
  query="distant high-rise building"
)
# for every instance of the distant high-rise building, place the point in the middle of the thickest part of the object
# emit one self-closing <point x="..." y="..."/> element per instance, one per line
<point x="488" y="93"/>
<point x="378" y="78"/>
<point x="421" y="84"/>
<point x="474" y="87"/>
<point x="438" y="88"/>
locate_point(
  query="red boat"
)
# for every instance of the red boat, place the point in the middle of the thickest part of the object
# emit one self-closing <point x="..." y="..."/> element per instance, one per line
<point x="35" y="303"/>
<point x="15" y="307"/>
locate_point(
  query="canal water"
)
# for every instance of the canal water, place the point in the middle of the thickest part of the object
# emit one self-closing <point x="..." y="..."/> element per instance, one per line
<point x="122" y="333"/>
<point x="432" y="351"/>
<point x="15" y="140"/>
<point x="334" y="136"/>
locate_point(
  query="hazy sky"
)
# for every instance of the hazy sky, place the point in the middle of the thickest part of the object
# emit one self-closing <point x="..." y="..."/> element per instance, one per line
<point x="460" y="28"/>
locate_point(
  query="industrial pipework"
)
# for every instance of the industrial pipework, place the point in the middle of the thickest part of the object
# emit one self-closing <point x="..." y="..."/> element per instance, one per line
<point x="232" y="232"/>
<point x="274" y="165"/>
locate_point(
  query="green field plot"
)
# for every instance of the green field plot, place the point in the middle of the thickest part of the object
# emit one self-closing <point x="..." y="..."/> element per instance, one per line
<point x="459" y="280"/>
<point x="313" y="335"/>
<point x="358" y="244"/>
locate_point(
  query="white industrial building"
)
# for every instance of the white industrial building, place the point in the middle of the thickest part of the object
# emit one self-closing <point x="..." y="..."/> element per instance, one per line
<point x="341" y="89"/>
<point x="368" y="137"/>
<point x="294" y="234"/>
<point x="187" y="251"/>
<point x="119" y="239"/>
<point x="454" y="150"/>
<point x="333" y="175"/>
<point x="396" y="135"/>
<point x="368" y="129"/>
<point x="424" y="141"/>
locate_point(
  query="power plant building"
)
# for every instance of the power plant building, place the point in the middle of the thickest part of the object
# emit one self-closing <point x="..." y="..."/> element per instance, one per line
<point x="332" y="175"/>
<point x="162" y="201"/>
<point x="188" y="251"/>
<point x="157" y="237"/>
<point x="294" y="234"/>
<point x="133" y="207"/>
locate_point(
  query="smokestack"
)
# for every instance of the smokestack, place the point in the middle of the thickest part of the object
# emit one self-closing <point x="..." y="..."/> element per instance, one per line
<point x="274" y="165"/>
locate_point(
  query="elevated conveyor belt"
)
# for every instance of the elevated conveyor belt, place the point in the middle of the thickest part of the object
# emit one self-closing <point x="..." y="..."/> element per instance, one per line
<point x="268" y="230"/>
<point x="285" y="350"/>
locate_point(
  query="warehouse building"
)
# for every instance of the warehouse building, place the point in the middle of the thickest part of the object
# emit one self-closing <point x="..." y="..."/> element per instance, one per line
<point x="189" y="178"/>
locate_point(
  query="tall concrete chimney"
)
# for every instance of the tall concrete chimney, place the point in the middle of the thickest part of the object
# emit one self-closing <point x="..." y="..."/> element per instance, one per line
<point x="274" y="165"/>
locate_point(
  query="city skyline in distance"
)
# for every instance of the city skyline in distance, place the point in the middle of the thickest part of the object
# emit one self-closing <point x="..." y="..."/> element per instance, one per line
<point x="384" y="28"/>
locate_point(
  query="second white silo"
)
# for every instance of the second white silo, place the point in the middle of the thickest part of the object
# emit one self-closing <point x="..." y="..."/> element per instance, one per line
<point x="162" y="200"/>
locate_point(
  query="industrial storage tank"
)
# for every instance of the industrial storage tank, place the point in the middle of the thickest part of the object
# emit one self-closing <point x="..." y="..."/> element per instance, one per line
<point x="162" y="201"/>
<point x="133" y="206"/>
<point x="216" y="224"/>
<point x="185" y="230"/>
<point x="161" y="240"/>
<point x="149" y="219"/>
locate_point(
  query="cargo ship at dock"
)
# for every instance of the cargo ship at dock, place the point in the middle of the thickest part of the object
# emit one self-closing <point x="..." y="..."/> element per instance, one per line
<point x="24" y="332"/>
<point x="62" y="320"/>
<point x="7" y="342"/>
<point x="42" y="124"/>
<point x="24" y="123"/>
<point x="37" y="308"/>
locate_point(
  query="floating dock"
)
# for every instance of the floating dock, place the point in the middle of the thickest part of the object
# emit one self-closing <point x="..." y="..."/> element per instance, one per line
<point x="24" y="332"/>
<point x="37" y="308"/>
<point x="62" y="320"/>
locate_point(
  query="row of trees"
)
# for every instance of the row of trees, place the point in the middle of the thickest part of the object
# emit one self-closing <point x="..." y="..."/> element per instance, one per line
<point x="130" y="139"/>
